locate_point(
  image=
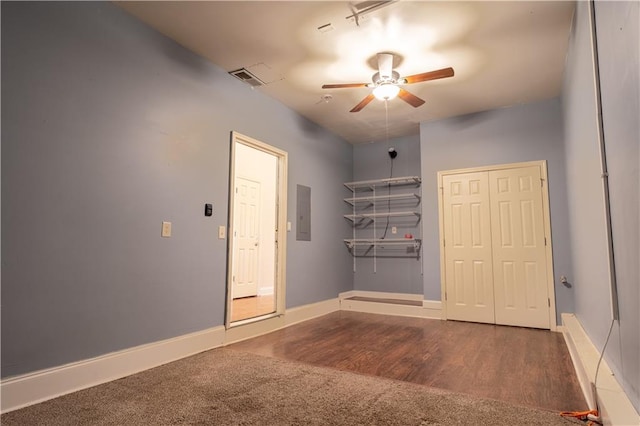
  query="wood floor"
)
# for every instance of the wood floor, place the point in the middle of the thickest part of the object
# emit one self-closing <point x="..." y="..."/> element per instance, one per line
<point x="251" y="307"/>
<point x="518" y="365"/>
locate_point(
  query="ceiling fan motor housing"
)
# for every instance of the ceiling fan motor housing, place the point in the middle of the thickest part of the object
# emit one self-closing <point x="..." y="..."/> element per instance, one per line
<point x="378" y="80"/>
<point x="385" y="65"/>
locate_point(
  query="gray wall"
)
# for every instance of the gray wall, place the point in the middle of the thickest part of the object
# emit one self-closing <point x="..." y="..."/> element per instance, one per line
<point x="517" y="134"/>
<point x="617" y="28"/>
<point x="371" y="161"/>
<point x="109" y="128"/>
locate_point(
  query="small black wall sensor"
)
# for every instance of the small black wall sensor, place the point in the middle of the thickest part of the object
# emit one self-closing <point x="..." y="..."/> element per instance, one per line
<point x="208" y="209"/>
<point x="393" y="153"/>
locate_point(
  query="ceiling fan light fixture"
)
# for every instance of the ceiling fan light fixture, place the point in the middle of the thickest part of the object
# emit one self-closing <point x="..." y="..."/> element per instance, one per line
<point x="386" y="92"/>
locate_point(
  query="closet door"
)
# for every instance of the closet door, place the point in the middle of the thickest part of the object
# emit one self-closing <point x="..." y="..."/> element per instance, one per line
<point x="518" y="240"/>
<point x="467" y="244"/>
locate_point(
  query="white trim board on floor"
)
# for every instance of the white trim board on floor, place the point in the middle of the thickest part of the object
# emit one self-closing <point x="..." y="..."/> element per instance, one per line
<point x="32" y="388"/>
<point x="615" y="406"/>
<point x="380" y="295"/>
<point x="429" y="308"/>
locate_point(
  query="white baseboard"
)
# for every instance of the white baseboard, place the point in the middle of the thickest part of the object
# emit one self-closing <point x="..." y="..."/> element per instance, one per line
<point x="383" y="308"/>
<point x="39" y="386"/>
<point x="347" y="294"/>
<point x="313" y="310"/>
<point x="429" y="309"/>
<point x="381" y="295"/>
<point x="433" y="308"/>
<point x="615" y="406"/>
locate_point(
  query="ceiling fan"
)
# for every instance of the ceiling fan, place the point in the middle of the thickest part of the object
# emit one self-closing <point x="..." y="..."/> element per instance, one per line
<point x="386" y="83"/>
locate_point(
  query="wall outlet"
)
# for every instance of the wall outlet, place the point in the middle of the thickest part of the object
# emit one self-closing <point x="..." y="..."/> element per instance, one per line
<point x="222" y="232"/>
<point x="394" y="230"/>
<point x="166" y="229"/>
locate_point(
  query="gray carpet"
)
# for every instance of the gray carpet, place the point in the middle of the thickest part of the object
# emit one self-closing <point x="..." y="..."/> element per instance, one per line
<point x="229" y="387"/>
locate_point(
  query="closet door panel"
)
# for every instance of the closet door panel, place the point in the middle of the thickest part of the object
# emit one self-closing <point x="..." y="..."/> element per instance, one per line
<point x="518" y="240"/>
<point x="467" y="237"/>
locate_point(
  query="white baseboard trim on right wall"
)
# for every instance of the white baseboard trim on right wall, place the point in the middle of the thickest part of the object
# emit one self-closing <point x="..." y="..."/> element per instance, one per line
<point x="615" y="406"/>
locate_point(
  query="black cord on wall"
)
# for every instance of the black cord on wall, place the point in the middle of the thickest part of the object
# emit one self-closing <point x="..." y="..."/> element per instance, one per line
<point x="386" y="228"/>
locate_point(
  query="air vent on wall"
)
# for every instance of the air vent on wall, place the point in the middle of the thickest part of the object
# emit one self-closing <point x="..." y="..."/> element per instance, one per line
<point x="244" y="75"/>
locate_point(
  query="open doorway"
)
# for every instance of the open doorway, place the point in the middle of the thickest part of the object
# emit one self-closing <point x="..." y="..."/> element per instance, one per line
<point x="257" y="231"/>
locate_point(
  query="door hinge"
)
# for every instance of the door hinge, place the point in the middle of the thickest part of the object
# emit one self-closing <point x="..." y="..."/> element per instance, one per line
<point x="545" y="241"/>
<point x="549" y="302"/>
<point x="444" y="242"/>
<point x="445" y="296"/>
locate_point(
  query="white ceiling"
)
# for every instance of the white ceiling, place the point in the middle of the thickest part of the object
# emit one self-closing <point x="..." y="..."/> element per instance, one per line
<point x="503" y="53"/>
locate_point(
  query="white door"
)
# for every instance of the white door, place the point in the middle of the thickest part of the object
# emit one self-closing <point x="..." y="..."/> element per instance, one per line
<point x="519" y="254"/>
<point x="467" y="244"/>
<point x="495" y="258"/>
<point x="247" y="237"/>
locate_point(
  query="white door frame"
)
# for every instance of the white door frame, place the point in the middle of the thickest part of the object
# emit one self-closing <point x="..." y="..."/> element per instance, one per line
<point x="281" y="227"/>
<point x="547" y="228"/>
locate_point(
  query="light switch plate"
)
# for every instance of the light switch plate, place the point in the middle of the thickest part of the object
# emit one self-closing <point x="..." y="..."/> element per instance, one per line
<point x="394" y="230"/>
<point x="222" y="232"/>
<point x="166" y="229"/>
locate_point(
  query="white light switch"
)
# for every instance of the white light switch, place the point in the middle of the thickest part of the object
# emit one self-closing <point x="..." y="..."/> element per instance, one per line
<point x="394" y="230"/>
<point x="288" y="226"/>
<point x="166" y="229"/>
<point x="222" y="232"/>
